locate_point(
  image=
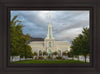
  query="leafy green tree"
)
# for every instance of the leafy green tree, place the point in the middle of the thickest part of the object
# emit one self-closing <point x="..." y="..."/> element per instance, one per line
<point x="77" y="46"/>
<point x="28" y="52"/>
<point x="71" y="54"/>
<point x="80" y="45"/>
<point x="18" y="39"/>
<point x="85" y="42"/>
<point x="13" y="35"/>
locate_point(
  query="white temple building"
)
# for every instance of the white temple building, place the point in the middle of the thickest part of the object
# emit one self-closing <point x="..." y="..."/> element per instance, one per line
<point x="49" y="44"/>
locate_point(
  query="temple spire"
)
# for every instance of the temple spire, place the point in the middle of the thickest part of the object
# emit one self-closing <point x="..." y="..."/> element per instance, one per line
<point x="49" y="18"/>
<point x="49" y="35"/>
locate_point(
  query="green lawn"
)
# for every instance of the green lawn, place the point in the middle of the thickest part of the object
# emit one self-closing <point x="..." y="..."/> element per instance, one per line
<point x="48" y="61"/>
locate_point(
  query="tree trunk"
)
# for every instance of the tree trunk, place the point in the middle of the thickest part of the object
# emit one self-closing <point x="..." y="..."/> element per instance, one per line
<point x="85" y="58"/>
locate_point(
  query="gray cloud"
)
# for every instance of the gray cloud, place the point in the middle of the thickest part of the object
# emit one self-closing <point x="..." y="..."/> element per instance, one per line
<point x="66" y="24"/>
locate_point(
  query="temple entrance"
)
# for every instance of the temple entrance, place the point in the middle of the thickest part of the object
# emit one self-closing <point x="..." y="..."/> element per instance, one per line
<point x="49" y="51"/>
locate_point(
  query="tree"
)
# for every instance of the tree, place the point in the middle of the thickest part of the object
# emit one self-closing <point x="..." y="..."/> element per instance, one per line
<point x="18" y="39"/>
<point x="13" y="36"/>
<point x="28" y="52"/>
<point x="85" y="42"/>
<point x="71" y="54"/>
<point x="77" y="46"/>
<point x="80" y="45"/>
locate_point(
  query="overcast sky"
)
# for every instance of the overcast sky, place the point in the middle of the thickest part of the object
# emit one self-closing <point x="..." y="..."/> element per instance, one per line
<point x="66" y="24"/>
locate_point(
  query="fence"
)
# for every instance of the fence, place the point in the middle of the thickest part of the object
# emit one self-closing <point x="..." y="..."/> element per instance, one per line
<point x="17" y="58"/>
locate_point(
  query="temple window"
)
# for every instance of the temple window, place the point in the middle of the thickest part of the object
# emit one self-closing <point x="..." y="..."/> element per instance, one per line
<point x="49" y="44"/>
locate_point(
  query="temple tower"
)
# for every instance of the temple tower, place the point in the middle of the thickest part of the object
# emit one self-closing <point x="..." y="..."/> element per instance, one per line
<point x="49" y="35"/>
<point x="49" y="40"/>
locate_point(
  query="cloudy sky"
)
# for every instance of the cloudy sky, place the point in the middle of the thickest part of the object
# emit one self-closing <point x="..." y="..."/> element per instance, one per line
<point x="66" y="24"/>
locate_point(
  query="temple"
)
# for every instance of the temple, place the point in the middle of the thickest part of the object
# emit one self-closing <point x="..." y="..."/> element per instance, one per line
<point x="49" y="44"/>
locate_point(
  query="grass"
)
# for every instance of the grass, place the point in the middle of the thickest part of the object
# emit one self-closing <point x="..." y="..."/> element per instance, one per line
<point x="47" y="61"/>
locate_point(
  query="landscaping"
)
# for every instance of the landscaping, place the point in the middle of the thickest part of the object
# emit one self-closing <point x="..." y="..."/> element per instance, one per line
<point x="48" y="61"/>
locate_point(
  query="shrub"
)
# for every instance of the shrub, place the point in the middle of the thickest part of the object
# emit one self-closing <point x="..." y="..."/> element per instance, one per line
<point x="49" y="57"/>
<point x="35" y="54"/>
<point x="64" y="53"/>
<point x="44" y="53"/>
<point x="41" y="57"/>
<point x="59" y="57"/>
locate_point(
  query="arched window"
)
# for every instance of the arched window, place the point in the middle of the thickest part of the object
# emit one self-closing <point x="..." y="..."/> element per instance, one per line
<point x="40" y="52"/>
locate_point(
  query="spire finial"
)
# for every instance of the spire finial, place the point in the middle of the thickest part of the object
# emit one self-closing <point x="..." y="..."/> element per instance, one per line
<point x="49" y="18"/>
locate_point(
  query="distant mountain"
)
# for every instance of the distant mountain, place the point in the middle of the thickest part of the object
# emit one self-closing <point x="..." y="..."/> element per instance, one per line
<point x="35" y="39"/>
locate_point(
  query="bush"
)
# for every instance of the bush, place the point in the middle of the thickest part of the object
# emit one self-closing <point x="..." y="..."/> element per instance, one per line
<point x="35" y="53"/>
<point x="64" y="53"/>
<point x="58" y="57"/>
<point x="41" y="57"/>
<point x="44" y="53"/>
<point x="49" y="57"/>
